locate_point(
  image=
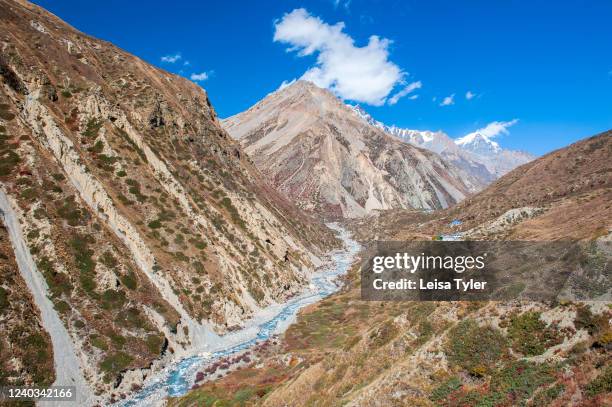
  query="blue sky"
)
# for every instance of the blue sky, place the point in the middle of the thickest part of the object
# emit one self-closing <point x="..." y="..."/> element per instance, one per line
<point x="546" y="64"/>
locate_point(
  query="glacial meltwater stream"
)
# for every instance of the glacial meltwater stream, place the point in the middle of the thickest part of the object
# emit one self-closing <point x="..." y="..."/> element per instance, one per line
<point x="178" y="377"/>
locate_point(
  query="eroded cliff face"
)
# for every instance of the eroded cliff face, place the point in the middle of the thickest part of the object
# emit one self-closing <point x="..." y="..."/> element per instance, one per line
<point x="151" y="229"/>
<point x="318" y="152"/>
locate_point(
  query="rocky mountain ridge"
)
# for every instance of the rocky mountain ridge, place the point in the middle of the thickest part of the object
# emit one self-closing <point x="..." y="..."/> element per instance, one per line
<point x="316" y="152"/>
<point x="479" y="157"/>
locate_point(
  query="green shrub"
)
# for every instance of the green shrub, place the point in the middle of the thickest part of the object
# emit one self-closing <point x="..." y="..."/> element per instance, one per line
<point x="155" y="224"/>
<point x="112" y="299"/>
<point x="98" y="342"/>
<point x="131" y="317"/>
<point x="601" y="384"/>
<point x="3" y="300"/>
<point x="117" y="339"/>
<point x="154" y="343"/>
<point x="92" y="128"/>
<point x="227" y="203"/>
<point x="198" y="243"/>
<point x="132" y="145"/>
<point x="475" y="349"/>
<point x="59" y="283"/>
<point x="116" y="362"/>
<point x="519" y="380"/>
<point x="129" y="280"/>
<point x="33" y="234"/>
<point x="29" y="194"/>
<point x="530" y="335"/>
<point x="8" y="161"/>
<point x="97" y="148"/>
<point x="109" y="260"/>
<point x="547" y="396"/>
<point x="71" y="212"/>
<point x="62" y="306"/>
<point x="134" y="189"/>
<point x="445" y="389"/>
<point x="82" y="252"/>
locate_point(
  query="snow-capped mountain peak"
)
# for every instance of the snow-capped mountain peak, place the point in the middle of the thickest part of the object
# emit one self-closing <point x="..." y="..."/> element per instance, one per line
<point x="480" y="156"/>
<point x="412" y="136"/>
<point x="478" y="143"/>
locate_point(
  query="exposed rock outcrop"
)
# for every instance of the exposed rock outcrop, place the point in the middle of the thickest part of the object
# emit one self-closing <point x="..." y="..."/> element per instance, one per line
<point x="317" y="152"/>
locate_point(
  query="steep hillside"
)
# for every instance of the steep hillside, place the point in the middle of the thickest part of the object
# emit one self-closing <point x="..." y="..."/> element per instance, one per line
<point x="26" y="353"/>
<point x="147" y="224"/>
<point x="317" y="152"/>
<point x="481" y="159"/>
<point x="350" y="352"/>
<point x="566" y="193"/>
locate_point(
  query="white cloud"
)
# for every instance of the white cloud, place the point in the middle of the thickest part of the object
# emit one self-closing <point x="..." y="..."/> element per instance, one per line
<point x="413" y="97"/>
<point x="494" y="129"/>
<point x="199" y="76"/>
<point x="469" y="95"/>
<point x="186" y="63"/>
<point x="449" y="100"/>
<point x="171" y="58"/>
<point x="284" y="84"/>
<point x="363" y="74"/>
<point x="408" y="89"/>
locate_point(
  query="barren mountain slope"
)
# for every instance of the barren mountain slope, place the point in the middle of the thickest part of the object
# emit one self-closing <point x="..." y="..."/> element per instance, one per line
<point x="147" y="222"/>
<point x="566" y="193"/>
<point x="315" y="150"/>
<point x="480" y="159"/>
<point x="473" y="171"/>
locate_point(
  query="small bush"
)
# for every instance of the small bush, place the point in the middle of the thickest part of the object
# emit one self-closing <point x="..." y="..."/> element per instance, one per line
<point x="8" y="161"/>
<point x="155" y="224"/>
<point x="109" y="260"/>
<point x="601" y="384"/>
<point x="445" y="389"/>
<point x="92" y="128"/>
<point x="129" y="281"/>
<point x="98" y="342"/>
<point x="530" y="335"/>
<point x="154" y="343"/>
<point x="112" y="299"/>
<point x="116" y="362"/>
<point x="71" y="212"/>
<point x="474" y="348"/>
<point x="97" y="148"/>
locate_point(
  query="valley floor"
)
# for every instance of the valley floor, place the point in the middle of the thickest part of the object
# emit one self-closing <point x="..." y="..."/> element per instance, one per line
<point x="343" y="351"/>
<point x="178" y="378"/>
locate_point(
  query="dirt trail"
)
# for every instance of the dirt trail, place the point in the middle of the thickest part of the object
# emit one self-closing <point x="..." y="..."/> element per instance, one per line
<point x="66" y="362"/>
